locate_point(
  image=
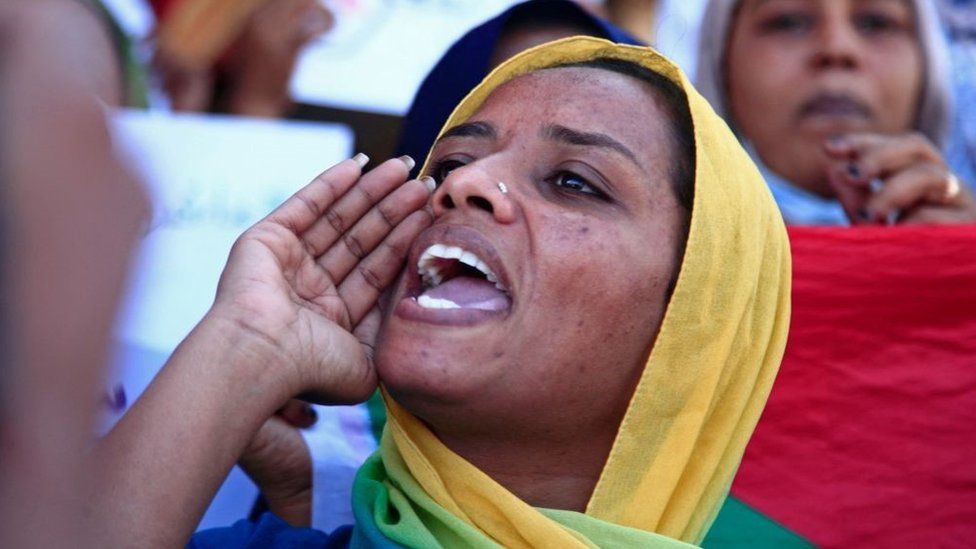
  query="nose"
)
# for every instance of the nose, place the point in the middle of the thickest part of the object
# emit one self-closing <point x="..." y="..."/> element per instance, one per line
<point x="472" y="189"/>
<point x="838" y="45"/>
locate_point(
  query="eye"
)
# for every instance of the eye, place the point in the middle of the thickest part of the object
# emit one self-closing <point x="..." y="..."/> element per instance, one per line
<point x="575" y="183"/>
<point x="876" y="23"/>
<point x="788" y="22"/>
<point x="443" y="167"/>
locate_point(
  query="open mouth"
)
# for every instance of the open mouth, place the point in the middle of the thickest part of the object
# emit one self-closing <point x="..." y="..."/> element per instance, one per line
<point x="455" y="278"/>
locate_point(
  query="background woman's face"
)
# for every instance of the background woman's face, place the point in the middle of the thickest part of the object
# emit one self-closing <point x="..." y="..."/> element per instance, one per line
<point x="802" y="71"/>
<point x="584" y="241"/>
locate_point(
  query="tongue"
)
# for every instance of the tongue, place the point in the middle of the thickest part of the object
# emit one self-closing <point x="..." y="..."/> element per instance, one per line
<point x="471" y="293"/>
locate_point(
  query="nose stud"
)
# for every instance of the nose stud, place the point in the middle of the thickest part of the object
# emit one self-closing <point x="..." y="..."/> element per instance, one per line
<point x="503" y="188"/>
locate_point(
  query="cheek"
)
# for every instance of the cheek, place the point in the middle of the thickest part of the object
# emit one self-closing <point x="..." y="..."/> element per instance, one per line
<point x="754" y="76"/>
<point x="899" y="79"/>
<point x="761" y="64"/>
<point x="600" y="275"/>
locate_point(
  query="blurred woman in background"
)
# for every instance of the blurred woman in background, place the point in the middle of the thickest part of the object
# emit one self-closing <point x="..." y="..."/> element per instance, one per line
<point x="845" y="104"/>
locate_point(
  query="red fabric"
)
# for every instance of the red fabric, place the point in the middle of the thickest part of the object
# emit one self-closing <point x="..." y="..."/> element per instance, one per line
<point x="869" y="438"/>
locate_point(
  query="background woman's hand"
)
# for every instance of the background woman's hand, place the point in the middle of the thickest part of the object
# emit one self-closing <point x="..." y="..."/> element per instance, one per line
<point x="188" y="86"/>
<point x="896" y="178"/>
<point x="263" y="57"/>
<point x="278" y="461"/>
<point x="295" y="312"/>
<point x="306" y="279"/>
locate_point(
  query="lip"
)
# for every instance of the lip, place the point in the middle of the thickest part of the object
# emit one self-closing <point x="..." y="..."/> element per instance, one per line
<point x="451" y="235"/>
<point x="835" y="105"/>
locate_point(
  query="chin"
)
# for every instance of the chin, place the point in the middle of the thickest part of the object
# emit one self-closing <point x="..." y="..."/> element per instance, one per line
<point x="418" y="368"/>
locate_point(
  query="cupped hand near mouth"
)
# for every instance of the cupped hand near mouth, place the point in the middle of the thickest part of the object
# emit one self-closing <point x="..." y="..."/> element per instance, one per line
<point x="305" y="280"/>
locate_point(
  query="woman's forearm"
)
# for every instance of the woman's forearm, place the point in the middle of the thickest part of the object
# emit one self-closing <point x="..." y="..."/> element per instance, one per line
<point x="158" y="469"/>
<point x="280" y="325"/>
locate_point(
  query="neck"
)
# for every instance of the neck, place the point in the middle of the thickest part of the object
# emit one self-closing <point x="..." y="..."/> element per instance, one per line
<point x="811" y="176"/>
<point x="540" y="471"/>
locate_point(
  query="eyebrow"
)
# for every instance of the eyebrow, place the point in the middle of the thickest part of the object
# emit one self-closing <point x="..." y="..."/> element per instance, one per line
<point x="482" y="130"/>
<point x="587" y="139"/>
<point x="553" y="132"/>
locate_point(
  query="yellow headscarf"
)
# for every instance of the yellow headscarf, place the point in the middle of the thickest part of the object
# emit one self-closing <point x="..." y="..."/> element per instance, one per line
<point x="710" y="371"/>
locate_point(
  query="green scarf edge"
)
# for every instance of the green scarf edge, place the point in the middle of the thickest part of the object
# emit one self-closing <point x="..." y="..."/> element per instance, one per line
<point x="386" y="494"/>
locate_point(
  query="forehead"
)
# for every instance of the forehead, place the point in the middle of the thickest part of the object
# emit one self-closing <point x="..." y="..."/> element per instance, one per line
<point x="586" y="99"/>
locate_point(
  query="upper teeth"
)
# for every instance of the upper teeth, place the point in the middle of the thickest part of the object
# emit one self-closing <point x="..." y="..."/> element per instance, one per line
<point x="431" y="274"/>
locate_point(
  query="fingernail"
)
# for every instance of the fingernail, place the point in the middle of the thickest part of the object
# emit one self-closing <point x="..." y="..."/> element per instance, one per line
<point x="361" y="159"/>
<point x="429" y="182"/>
<point x="853" y="170"/>
<point x="116" y="399"/>
<point x="408" y="161"/>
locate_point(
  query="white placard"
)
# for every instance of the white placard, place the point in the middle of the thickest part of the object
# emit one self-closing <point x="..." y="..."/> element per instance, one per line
<point x="380" y="50"/>
<point x="677" y="31"/>
<point x="210" y="177"/>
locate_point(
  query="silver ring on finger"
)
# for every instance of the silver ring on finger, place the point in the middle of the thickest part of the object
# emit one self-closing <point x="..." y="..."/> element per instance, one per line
<point x="952" y="189"/>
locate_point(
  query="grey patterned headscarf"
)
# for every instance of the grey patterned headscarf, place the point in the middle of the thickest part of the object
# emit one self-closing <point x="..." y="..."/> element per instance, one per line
<point x="935" y="110"/>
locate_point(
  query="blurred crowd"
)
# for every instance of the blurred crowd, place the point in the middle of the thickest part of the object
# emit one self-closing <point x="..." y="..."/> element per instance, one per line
<point x="855" y="112"/>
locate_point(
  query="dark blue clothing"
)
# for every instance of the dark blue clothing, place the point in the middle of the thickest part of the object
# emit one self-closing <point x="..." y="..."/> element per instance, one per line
<point x="466" y="63"/>
<point x="271" y="531"/>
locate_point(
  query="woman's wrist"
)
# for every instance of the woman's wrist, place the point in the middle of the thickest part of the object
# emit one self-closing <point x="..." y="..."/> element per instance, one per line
<point x="247" y="360"/>
<point x="174" y="447"/>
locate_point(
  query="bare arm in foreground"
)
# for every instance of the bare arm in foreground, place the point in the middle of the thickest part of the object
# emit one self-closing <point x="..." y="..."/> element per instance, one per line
<point x="295" y="313"/>
<point x="70" y="215"/>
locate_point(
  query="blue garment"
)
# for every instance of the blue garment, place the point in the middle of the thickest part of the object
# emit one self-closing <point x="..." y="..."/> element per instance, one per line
<point x="798" y="206"/>
<point x="959" y="18"/>
<point x="466" y="63"/>
<point x="271" y="531"/>
<point x="801" y="207"/>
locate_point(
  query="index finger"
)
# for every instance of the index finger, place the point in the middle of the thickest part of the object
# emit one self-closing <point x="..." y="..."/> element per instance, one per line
<point x="303" y="208"/>
<point x="363" y="287"/>
<point x="878" y="155"/>
<point x="851" y="197"/>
